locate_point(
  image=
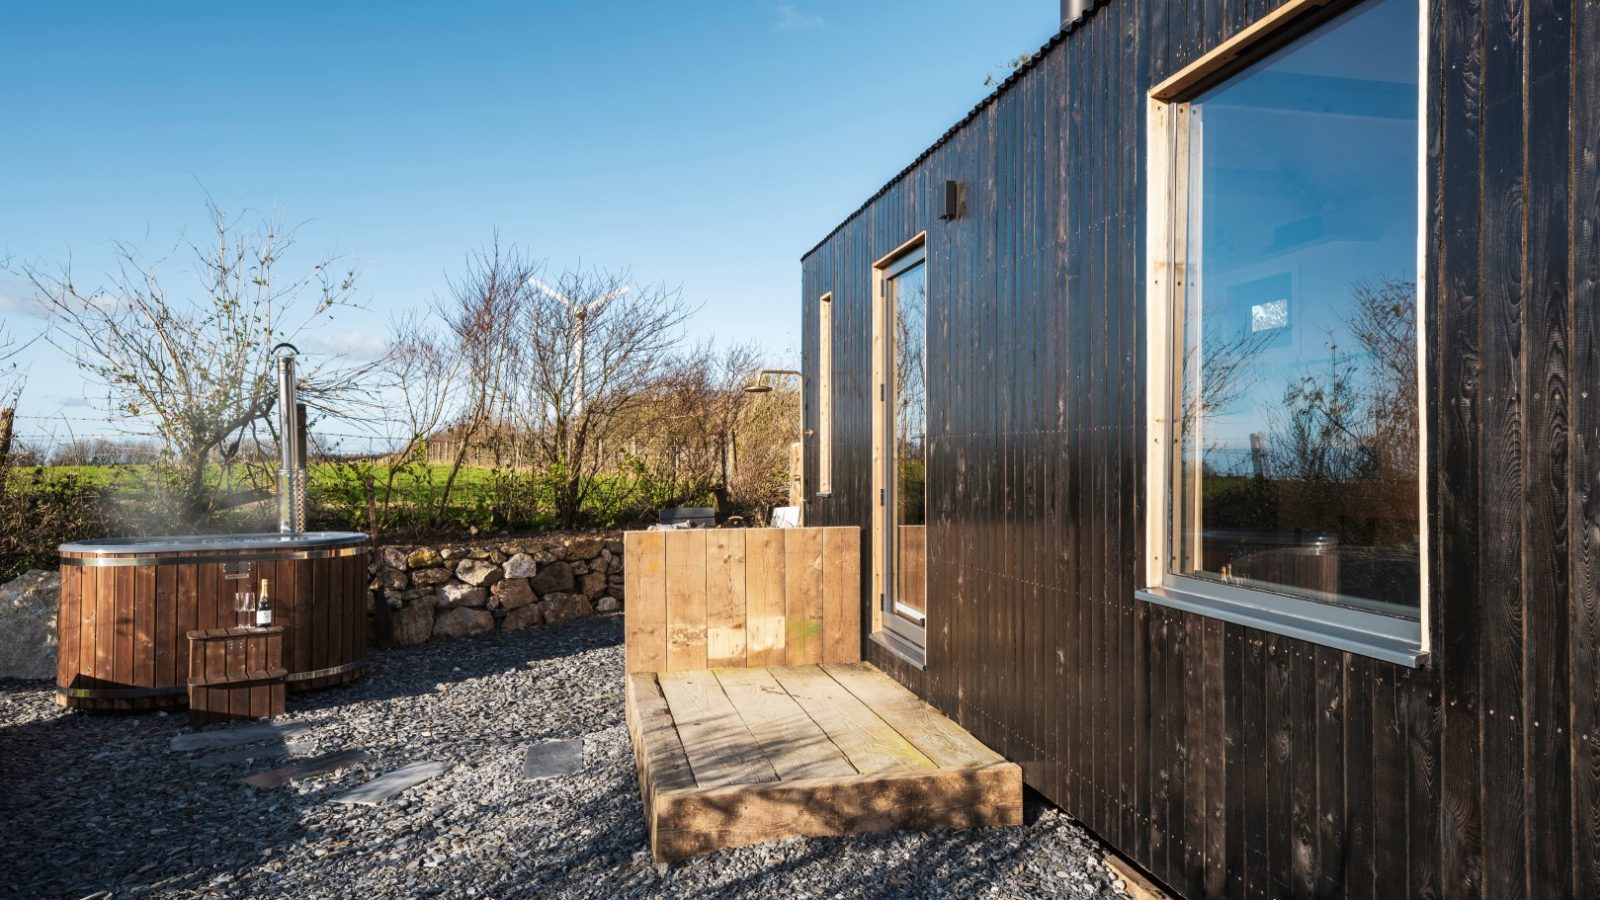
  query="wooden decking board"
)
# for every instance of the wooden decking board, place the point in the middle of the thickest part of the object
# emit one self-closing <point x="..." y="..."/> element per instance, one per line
<point x="719" y="745"/>
<point x="942" y="740"/>
<point x="871" y="745"/>
<point x="793" y="743"/>
<point x="689" y="823"/>
<point x="793" y="792"/>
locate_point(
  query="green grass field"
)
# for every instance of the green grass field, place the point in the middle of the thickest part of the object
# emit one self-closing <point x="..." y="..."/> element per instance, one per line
<point x="325" y="475"/>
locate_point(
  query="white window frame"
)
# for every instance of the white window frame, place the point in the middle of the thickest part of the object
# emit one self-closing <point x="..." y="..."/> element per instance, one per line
<point x="1396" y="640"/>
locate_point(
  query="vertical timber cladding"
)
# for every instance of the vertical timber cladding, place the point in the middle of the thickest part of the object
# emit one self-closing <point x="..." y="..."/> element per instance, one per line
<point x="1227" y="761"/>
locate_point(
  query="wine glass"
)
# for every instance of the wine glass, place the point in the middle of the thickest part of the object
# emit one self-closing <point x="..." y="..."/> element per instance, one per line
<point x="244" y="603"/>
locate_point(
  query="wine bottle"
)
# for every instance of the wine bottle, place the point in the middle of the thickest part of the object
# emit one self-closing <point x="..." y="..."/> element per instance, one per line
<point x="263" y="607"/>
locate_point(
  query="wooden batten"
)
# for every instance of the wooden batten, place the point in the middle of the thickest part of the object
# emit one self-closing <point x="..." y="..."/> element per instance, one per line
<point x="731" y="597"/>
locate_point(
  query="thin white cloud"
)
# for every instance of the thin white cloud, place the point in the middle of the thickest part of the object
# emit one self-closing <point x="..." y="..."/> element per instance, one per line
<point x="15" y="300"/>
<point x="355" y="344"/>
<point x="791" y="19"/>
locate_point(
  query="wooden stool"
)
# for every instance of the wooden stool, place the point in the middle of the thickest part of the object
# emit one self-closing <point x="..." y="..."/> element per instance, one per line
<point x="235" y="673"/>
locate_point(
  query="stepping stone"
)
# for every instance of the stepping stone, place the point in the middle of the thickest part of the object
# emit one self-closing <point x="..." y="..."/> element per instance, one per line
<point x="316" y="765"/>
<point x="385" y="786"/>
<point x="248" y="754"/>
<point x="237" y="736"/>
<point x="552" y="759"/>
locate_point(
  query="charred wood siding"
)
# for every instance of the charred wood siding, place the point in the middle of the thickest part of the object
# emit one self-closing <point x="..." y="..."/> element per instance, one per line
<point x="1227" y="761"/>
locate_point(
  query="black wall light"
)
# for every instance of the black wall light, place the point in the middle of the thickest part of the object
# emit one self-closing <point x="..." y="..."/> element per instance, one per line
<point x="951" y="208"/>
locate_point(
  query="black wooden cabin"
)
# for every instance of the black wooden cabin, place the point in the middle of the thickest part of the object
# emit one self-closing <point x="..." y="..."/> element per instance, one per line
<point x="1145" y="515"/>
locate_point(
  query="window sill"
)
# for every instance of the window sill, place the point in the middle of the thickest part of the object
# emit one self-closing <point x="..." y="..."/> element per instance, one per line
<point x="909" y="653"/>
<point x="1368" y="634"/>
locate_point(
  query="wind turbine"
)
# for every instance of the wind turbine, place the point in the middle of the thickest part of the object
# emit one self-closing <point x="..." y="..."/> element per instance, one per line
<point x="580" y="314"/>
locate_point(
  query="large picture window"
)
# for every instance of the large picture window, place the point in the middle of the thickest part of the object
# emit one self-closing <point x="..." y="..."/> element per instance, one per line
<point x="1291" y="475"/>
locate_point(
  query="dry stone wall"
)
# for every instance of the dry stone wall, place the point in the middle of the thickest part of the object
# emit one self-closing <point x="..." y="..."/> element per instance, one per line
<point x="445" y="591"/>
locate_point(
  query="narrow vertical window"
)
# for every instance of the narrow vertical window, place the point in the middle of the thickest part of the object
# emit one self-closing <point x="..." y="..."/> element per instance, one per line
<point x="825" y="396"/>
<point x="900" y="450"/>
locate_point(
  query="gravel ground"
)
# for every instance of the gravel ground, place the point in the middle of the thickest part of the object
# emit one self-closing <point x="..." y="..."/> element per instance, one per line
<point x="99" y="803"/>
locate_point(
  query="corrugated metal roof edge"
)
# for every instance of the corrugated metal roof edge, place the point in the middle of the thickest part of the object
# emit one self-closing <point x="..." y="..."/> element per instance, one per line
<point x="983" y="104"/>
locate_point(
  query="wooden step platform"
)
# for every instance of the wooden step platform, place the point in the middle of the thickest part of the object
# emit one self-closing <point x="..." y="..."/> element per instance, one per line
<point x="730" y="757"/>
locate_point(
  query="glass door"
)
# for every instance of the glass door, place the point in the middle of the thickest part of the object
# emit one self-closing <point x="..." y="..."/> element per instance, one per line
<point x="905" y="397"/>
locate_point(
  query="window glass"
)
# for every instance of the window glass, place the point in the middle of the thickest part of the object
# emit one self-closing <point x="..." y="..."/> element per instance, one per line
<point x="825" y="395"/>
<point x="909" y="292"/>
<point x="1297" y="395"/>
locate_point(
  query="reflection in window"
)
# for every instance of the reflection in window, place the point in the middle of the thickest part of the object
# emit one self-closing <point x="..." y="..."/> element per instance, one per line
<point x="825" y="395"/>
<point x="1298" y="392"/>
<point x="909" y="293"/>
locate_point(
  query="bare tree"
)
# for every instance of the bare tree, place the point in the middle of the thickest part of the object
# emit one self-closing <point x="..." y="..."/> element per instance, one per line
<point x="196" y="362"/>
<point x="12" y="380"/>
<point x="425" y="375"/>
<point x="1385" y="324"/>
<point x="690" y="430"/>
<point x="482" y="316"/>
<point x="591" y="344"/>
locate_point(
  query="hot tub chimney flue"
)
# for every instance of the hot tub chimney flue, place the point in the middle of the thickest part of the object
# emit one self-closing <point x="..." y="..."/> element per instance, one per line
<point x="291" y="443"/>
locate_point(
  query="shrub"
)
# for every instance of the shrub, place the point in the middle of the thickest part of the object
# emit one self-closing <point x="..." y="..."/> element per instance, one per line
<point x="39" y="512"/>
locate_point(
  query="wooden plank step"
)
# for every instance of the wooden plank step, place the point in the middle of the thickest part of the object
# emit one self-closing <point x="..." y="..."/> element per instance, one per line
<point x="871" y="745"/>
<point x="942" y="740"/>
<point x="720" y="748"/>
<point x="795" y="745"/>
<point x="689" y="823"/>
<point x="795" y="721"/>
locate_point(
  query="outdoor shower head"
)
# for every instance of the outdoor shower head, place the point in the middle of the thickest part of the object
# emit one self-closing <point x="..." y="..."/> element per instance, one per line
<point x="291" y="446"/>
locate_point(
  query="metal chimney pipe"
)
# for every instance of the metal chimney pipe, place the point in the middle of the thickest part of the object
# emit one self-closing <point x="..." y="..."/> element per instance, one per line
<point x="291" y="447"/>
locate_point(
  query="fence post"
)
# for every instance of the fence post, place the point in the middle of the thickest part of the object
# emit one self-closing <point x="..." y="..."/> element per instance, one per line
<point x="372" y="506"/>
<point x="7" y="418"/>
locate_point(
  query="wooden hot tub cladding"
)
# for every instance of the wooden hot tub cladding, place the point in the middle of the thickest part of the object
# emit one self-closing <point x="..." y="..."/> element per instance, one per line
<point x="127" y="608"/>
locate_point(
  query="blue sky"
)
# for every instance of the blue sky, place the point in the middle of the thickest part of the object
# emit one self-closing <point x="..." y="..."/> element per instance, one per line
<point x="701" y="144"/>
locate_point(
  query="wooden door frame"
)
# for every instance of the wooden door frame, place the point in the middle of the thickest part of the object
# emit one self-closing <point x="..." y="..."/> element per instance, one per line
<point x="882" y="271"/>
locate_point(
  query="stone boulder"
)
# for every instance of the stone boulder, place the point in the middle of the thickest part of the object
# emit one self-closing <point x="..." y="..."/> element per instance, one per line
<point x="555" y="578"/>
<point x="423" y="558"/>
<point x="478" y="573"/>
<point x="518" y="619"/>
<point x="521" y="566"/>
<point x="393" y="580"/>
<point x="430" y="577"/>
<point x="584" y="548"/>
<point x="457" y="594"/>
<point x="413" y="623"/>
<point x="463" y="621"/>
<point x="513" y="593"/>
<point x="593" y="585"/>
<point x="561" y="607"/>
<point x="607" y="605"/>
<point x="28" y="605"/>
<point x="393" y="558"/>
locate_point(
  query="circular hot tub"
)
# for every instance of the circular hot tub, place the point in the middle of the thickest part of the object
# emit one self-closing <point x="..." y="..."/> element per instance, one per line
<point x="128" y="605"/>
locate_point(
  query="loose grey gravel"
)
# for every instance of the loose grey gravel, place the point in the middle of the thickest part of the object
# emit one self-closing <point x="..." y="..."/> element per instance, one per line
<point x="100" y="803"/>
